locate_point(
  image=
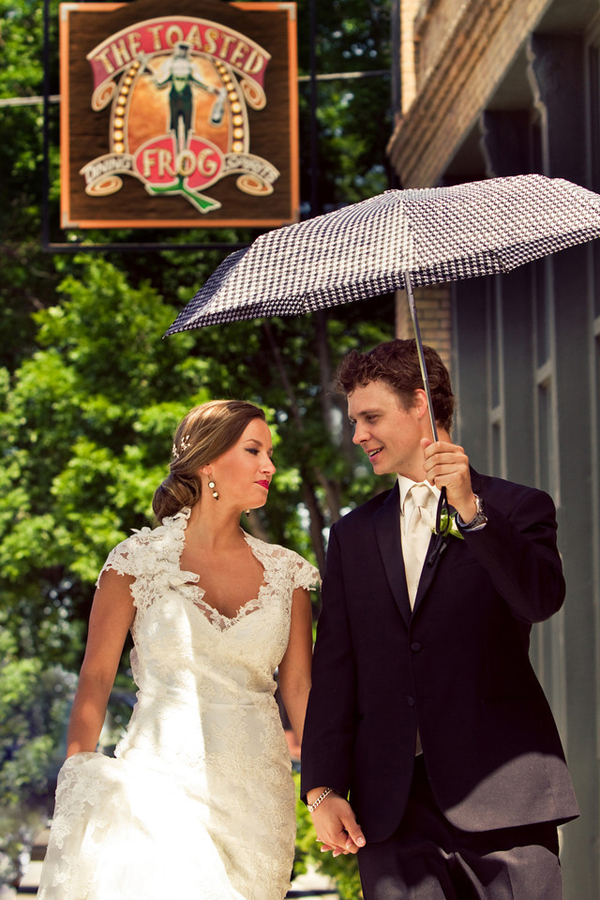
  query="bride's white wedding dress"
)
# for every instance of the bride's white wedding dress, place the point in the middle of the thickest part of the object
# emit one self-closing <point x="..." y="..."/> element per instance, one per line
<point x="199" y="802"/>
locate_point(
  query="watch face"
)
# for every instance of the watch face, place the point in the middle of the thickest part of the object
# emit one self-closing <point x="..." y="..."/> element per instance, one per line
<point x="479" y="519"/>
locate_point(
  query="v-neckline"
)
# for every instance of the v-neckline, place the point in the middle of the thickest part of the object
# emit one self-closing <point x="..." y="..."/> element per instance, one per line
<point x="225" y="622"/>
<point x="211" y="613"/>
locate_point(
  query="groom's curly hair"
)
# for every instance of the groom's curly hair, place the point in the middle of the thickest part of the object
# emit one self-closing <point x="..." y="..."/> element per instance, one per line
<point x="397" y="364"/>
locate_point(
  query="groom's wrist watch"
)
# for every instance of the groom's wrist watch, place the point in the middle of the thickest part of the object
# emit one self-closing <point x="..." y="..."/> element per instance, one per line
<point x="478" y="521"/>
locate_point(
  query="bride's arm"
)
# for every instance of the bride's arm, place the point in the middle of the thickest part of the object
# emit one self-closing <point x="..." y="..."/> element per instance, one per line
<point x="110" y="619"/>
<point x="294" y="668"/>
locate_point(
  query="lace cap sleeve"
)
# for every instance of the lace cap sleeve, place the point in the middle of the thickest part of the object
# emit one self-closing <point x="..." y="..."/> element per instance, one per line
<point x="304" y="575"/>
<point x="123" y="558"/>
<point x="150" y="551"/>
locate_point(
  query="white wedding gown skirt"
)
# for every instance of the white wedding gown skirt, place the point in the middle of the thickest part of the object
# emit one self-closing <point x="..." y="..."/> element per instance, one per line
<point x="199" y="802"/>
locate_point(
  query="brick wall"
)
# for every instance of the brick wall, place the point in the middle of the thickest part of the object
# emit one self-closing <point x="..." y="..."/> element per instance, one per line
<point x="436" y="24"/>
<point x="407" y="62"/>
<point x="434" y="314"/>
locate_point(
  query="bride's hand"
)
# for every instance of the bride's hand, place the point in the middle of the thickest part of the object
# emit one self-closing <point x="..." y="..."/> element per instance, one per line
<point x="336" y="826"/>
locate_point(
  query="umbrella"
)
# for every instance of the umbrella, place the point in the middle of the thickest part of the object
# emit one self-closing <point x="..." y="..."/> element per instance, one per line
<point x="397" y="240"/>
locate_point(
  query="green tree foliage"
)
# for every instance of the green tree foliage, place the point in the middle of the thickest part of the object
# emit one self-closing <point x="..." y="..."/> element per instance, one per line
<point x="34" y="701"/>
<point x="86" y="421"/>
<point x="28" y="277"/>
<point x="353" y="115"/>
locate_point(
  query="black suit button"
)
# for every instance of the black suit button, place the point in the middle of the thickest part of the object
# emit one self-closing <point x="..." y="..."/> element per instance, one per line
<point x="415" y="647"/>
<point x="410" y="700"/>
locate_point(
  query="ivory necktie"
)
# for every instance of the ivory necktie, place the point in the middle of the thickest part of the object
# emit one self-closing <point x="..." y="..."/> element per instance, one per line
<point x="417" y="534"/>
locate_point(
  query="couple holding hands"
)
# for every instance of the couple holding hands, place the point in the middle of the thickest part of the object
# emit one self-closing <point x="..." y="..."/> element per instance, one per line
<point x="428" y="746"/>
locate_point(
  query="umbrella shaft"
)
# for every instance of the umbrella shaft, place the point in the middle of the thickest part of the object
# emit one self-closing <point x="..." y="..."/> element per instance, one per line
<point x="422" y="363"/>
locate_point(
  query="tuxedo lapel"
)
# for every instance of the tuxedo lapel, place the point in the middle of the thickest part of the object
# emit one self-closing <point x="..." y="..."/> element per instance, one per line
<point x="386" y="522"/>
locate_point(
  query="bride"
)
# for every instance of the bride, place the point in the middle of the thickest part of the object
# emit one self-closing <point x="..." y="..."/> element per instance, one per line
<point x="199" y="801"/>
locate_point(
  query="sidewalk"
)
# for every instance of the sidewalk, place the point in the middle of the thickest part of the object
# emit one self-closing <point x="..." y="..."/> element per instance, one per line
<point x="313" y="884"/>
<point x="31" y="879"/>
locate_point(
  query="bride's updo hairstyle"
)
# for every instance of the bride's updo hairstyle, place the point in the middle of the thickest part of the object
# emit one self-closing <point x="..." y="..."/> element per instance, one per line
<point x="203" y="435"/>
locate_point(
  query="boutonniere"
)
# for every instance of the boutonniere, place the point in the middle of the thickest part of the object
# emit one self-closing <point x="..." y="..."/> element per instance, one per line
<point x="448" y="526"/>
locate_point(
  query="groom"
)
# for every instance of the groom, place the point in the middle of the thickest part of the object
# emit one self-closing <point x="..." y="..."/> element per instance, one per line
<point x="425" y="710"/>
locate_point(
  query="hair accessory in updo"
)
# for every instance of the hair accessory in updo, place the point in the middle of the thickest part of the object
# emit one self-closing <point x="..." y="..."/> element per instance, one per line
<point x="185" y="443"/>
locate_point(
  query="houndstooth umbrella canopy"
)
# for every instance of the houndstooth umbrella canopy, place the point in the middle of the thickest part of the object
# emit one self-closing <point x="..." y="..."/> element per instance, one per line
<point x="427" y="236"/>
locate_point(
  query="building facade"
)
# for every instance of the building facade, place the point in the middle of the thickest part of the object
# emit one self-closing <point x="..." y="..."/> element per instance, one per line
<point x="491" y="88"/>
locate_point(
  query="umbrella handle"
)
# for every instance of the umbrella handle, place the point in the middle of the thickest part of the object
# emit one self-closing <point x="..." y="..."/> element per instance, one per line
<point x="415" y="321"/>
<point x="440" y="532"/>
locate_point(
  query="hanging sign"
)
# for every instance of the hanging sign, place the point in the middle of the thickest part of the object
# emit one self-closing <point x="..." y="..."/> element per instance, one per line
<point x="183" y="119"/>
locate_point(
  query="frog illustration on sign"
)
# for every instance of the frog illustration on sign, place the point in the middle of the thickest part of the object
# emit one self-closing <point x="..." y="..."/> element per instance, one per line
<point x="180" y="75"/>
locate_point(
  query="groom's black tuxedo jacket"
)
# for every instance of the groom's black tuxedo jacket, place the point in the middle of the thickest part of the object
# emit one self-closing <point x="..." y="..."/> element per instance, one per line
<point x="457" y="667"/>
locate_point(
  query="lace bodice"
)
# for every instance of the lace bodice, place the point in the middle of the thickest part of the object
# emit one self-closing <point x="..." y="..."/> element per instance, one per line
<point x="185" y="649"/>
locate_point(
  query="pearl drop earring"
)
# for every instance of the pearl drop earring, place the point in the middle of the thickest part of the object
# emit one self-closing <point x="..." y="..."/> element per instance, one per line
<point x="214" y="490"/>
